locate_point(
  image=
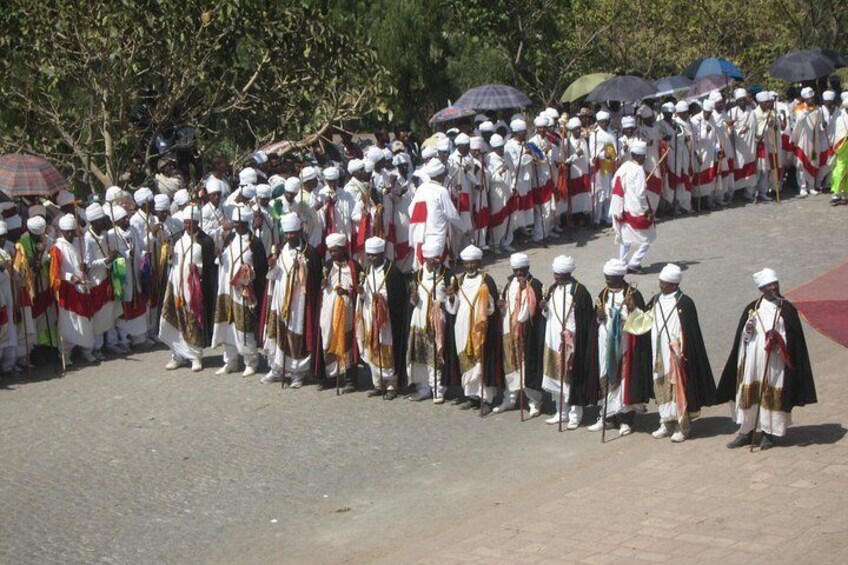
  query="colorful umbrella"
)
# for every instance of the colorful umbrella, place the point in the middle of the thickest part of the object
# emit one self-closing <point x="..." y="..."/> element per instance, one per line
<point x="451" y="113"/>
<point x="625" y="88"/>
<point x="798" y="66"/>
<point x="493" y="97"/>
<point x="583" y="86"/>
<point x="669" y="86"/>
<point x="712" y="66"/>
<point x="28" y="175"/>
<point x="707" y="84"/>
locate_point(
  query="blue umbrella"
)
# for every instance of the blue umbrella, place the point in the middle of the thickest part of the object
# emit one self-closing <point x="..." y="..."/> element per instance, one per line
<point x="493" y="97"/>
<point x="712" y="66"/>
<point x="671" y="85"/>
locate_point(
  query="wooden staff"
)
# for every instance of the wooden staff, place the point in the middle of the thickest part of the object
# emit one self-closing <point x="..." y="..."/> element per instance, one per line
<point x="61" y="341"/>
<point x="764" y="379"/>
<point x="434" y="304"/>
<point x="776" y="160"/>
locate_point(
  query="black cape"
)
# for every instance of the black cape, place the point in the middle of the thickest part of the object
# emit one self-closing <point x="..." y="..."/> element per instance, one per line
<point x="700" y="385"/>
<point x="209" y="284"/>
<point x="534" y="332"/>
<point x="397" y="290"/>
<point x="798" y="386"/>
<point x="640" y="380"/>
<point x="584" y="379"/>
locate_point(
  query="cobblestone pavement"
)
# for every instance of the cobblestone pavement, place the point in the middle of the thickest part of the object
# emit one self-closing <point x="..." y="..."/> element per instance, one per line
<point x="126" y="463"/>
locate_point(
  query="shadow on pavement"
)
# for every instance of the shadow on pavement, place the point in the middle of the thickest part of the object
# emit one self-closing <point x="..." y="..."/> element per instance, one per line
<point x="819" y="434"/>
<point x="713" y="426"/>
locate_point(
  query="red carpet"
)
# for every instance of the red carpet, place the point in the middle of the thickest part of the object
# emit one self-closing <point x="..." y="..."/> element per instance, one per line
<point x="823" y="302"/>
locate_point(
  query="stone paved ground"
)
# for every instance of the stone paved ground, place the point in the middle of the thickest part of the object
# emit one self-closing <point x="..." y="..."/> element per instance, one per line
<point x="125" y="463"/>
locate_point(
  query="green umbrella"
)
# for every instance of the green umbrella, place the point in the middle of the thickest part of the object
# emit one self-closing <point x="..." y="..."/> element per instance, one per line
<point x="583" y="86"/>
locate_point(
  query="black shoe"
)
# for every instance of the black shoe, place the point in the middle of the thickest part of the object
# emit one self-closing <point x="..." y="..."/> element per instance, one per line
<point x="375" y="392"/>
<point x="468" y="404"/>
<point x="391" y="395"/>
<point x="323" y="385"/>
<point x="349" y="388"/>
<point x="741" y="440"/>
<point x="766" y="442"/>
<point x="459" y="401"/>
<point x="635" y="271"/>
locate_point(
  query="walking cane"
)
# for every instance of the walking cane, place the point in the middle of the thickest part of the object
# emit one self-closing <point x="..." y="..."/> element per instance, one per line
<point x="344" y="340"/>
<point x="434" y="304"/>
<point x="61" y="341"/>
<point x="764" y="379"/>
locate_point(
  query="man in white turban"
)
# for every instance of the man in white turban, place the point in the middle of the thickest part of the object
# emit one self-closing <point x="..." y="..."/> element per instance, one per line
<point x="705" y="166"/>
<point x="242" y="269"/>
<point x="463" y="184"/>
<point x="336" y="211"/>
<point x="291" y="339"/>
<point x="502" y="201"/>
<point x="102" y="263"/>
<point x="543" y="180"/>
<point x="519" y="164"/>
<point x="809" y="137"/>
<point x="632" y="209"/>
<point x="567" y="361"/>
<point x="603" y="152"/>
<point x="576" y="160"/>
<point x="839" y="138"/>
<point x="623" y="360"/>
<point x="523" y="329"/>
<point x="683" y="380"/>
<point x="380" y="319"/>
<point x="32" y="266"/>
<point x="477" y="333"/>
<point x="768" y="370"/>
<point x="769" y="152"/>
<point x="743" y="137"/>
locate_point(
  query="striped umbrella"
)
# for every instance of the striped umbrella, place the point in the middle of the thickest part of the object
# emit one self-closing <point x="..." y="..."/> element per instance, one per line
<point x="493" y="97"/>
<point x="28" y="175"/>
<point x="451" y="113"/>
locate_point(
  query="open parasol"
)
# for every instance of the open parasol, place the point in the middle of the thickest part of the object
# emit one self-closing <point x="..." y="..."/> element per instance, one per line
<point x="625" y="88"/>
<point x="583" y="86"/>
<point x="449" y="113"/>
<point x="27" y="175"/>
<point x="798" y="66"/>
<point x="493" y="97"/>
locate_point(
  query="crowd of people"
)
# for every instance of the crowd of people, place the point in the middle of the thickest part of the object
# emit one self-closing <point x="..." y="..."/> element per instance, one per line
<point x="324" y="271"/>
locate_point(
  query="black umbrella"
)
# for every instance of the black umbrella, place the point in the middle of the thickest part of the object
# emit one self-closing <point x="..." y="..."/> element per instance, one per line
<point x="835" y="58"/>
<point x="625" y="88"/>
<point x="798" y="66"/>
<point x="492" y="97"/>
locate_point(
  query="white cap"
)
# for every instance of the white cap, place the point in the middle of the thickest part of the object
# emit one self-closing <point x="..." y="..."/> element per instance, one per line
<point x="241" y="213"/>
<point x="540" y="121"/>
<point x="764" y="277"/>
<point x="763" y="96"/>
<point x="808" y="92"/>
<point x="462" y="139"/>
<point x="388" y="155"/>
<point x="434" y="168"/>
<point x="161" y="202"/>
<point x="519" y="260"/>
<point x="828" y="96"/>
<point x="428" y="153"/>
<point x="113" y="193"/>
<point x="292" y="185"/>
<point x="709" y="105"/>
<point x="615" y="268"/>
<point x="142" y="196"/>
<point x="682" y="106"/>
<point x="64" y="198"/>
<point x="192" y="213"/>
<point x="308" y="173"/>
<point x="563" y="265"/>
<point x="402" y="159"/>
<point x="443" y="144"/>
<point x="552" y="113"/>
<point x="94" y="212"/>
<point x="739" y="93"/>
<point x="374" y="154"/>
<point x="214" y="186"/>
<point x="638" y="147"/>
<point x="715" y="96"/>
<point x="628" y="122"/>
<point x="290" y="222"/>
<point x="646" y="112"/>
<point x="355" y="165"/>
<point x="602" y="115"/>
<point x="369" y="166"/>
<point x="248" y="176"/>
<point x="486" y="126"/>
<point x="181" y="197"/>
<point x="375" y="245"/>
<point x="67" y="222"/>
<point x="36" y="225"/>
<point x="668" y="108"/>
<point x="331" y="173"/>
<point x="496" y="140"/>
<point x="671" y="273"/>
<point x="517" y="125"/>
<point x="431" y="250"/>
<point x="471" y="253"/>
<point x="117" y="213"/>
<point x="264" y="191"/>
<point x="421" y="176"/>
<point x="574" y="123"/>
<point x="476" y="142"/>
<point x="336" y="240"/>
<point x="248" y="191"/>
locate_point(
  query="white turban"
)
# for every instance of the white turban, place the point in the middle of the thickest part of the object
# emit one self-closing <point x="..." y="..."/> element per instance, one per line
<point x="602" y="115"/>
<point x="401" y="159"/>
<point x="355" y="165"/>
<point x="192" y="213"/>
<point x="563" y="265"/>
<point x="807" y="92"/>
<point x="671" y="273"/>
<point x="241" y="213"/>
<point x="471" y="253"/>
<point x="764" y="277"/>
<point x="64" y="198"/>
<point x="739" y="93"/>
<point x="682" y="106"/>
<point x="181" y="197"/>
<point x="646" y="112"/>
<point x="431" y="250"/>
<point x="308" y="173"/>
<point x="462" y="139"/>
<point x="552" y="113"/>
<point x="214" y="186"/>
<point x="375" y="245"/>
<point x="374" y="154"/>
<point x="336" y="240"/>
<point x="264" y="191"/>
<point x="709" y="105"/>
<point x="113" y="193"/>
<point x="540" y="121"/>
<point x="290" y="222"/>
<point x="519" y="260"/>
<point x="639" y="147"/>
<point x="715" y="96"/>
<point x="36" y="225"/>
<point x="331" y="173"/>
<point x="388" y="155"/>
<point x="574" y="123"/>
<point x="248" y="176"/>
<point x="94" y="212"/>
<point x="117" y="213"/>
<point x="668" y="108"/>
<point x="434" y="168"/>
<point x="476" y="142"/>
<point x="14" y="222"/>
<point x="421" y="176"/>
<point x="763" y="96"/>
<point x="615" y="268"/>
<point x="369" y="166"/>
<point x="628" y="122"/>
<point x="248" y="191"/>
<point x="486" y="126"/>
<point x="452" y="132"/>
<point x="828" y="96"/>
<point x="67" y="222"/>
<point x="517" y="125"/>
<point x="428" y="153"/>
<point x="443" y="144"/>
<point x="496" y="140"/>
<point x="292" y="185"/>
<point x="36" y="210"/>
<point x="142" y="196"/>
<point x="161" y="203"/>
